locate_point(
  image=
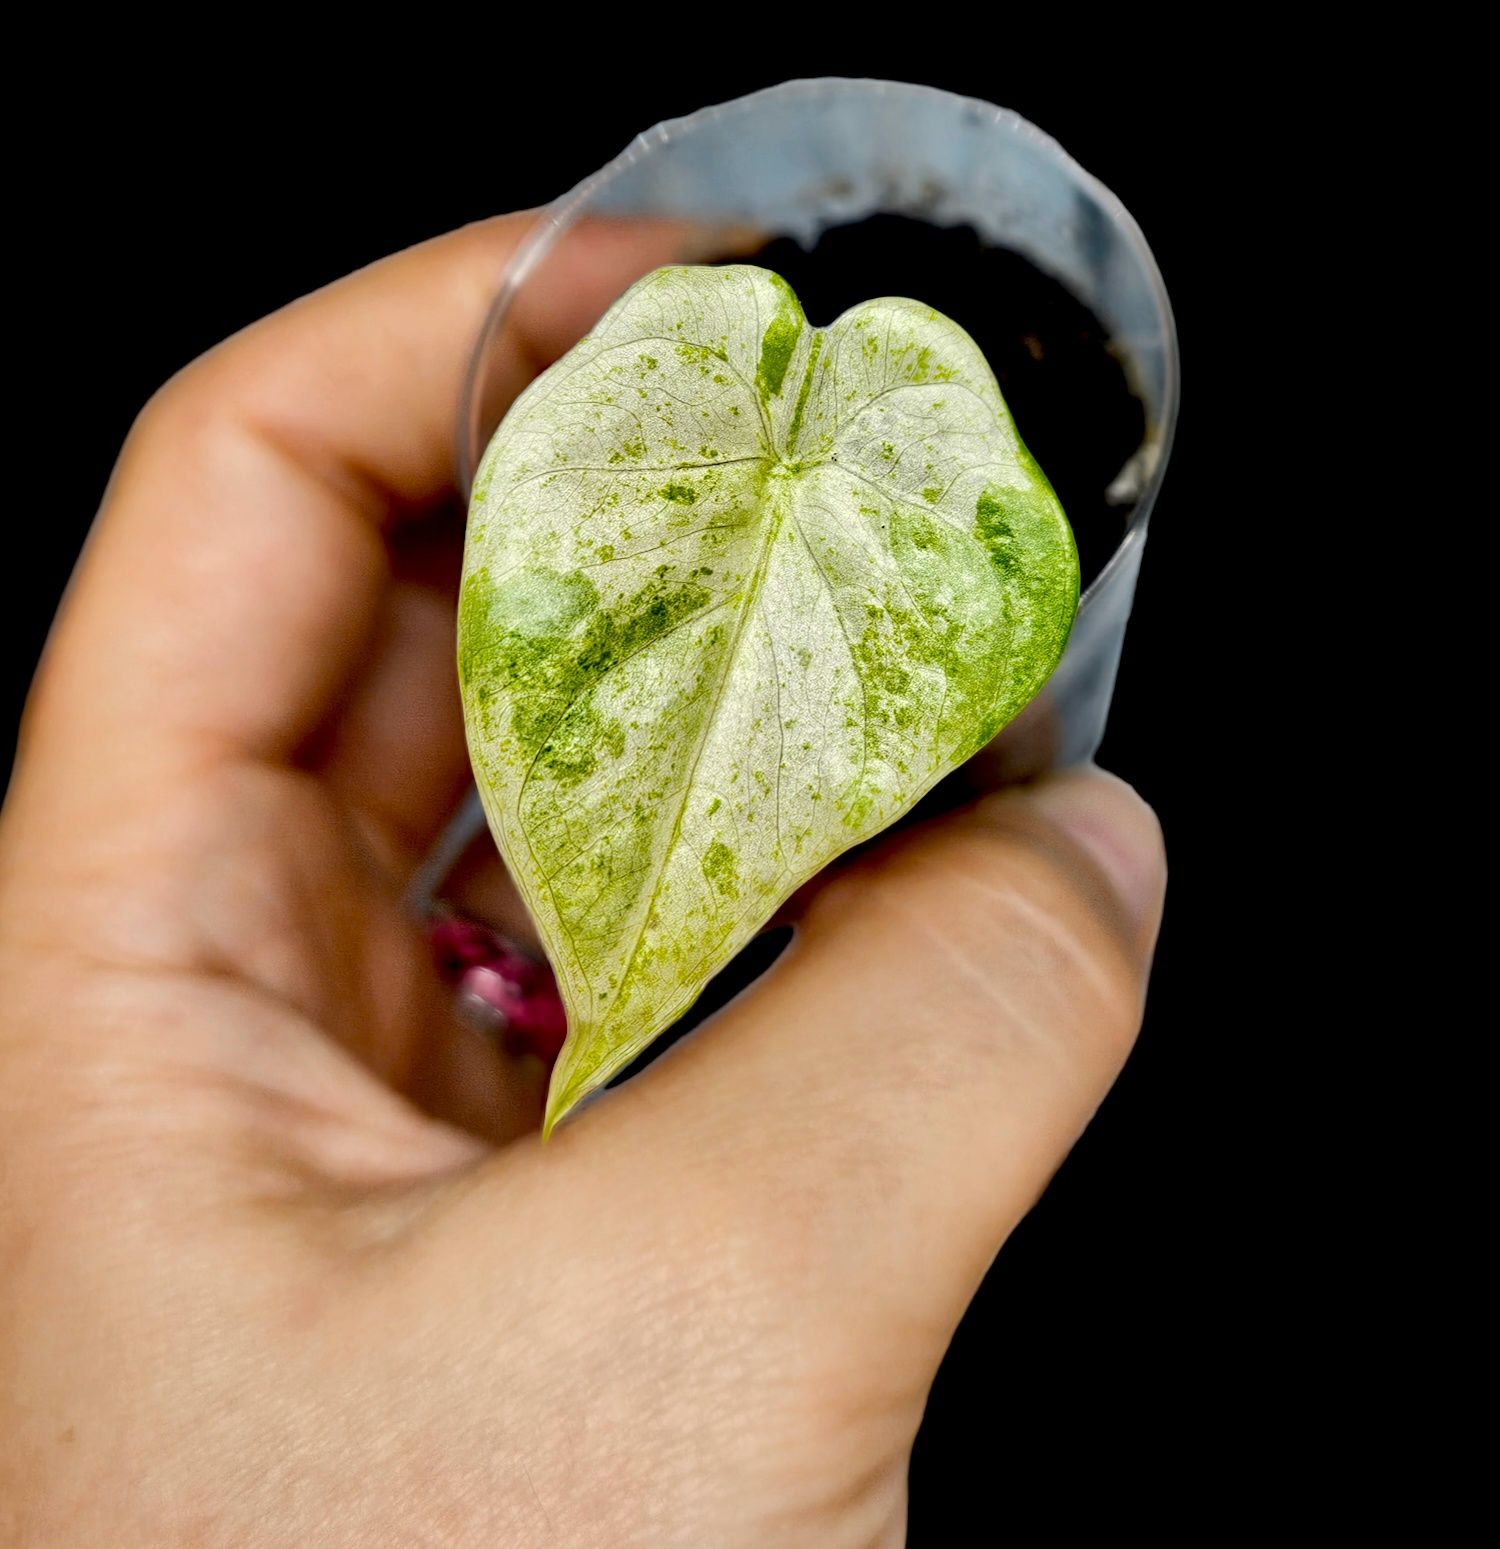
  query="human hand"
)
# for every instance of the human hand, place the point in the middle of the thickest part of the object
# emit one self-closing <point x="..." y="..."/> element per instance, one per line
<point x="284" y="1261"/>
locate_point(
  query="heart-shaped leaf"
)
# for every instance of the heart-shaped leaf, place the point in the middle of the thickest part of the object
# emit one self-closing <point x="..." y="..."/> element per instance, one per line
<point x="737" y="592"/>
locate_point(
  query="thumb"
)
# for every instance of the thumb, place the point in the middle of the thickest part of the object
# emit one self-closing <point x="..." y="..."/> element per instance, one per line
<point x="889" y="1101"/>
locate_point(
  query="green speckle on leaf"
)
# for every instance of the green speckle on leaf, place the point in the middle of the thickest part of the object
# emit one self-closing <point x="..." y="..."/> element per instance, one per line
<point x="992" y="529"/>
<point x="719" y="868"/>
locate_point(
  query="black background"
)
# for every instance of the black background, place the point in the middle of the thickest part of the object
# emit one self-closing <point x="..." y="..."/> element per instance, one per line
<point x="1096" y="1376"/>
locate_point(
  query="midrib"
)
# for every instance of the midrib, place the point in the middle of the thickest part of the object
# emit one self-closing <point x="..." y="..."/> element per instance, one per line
<point x="779" y="506"/>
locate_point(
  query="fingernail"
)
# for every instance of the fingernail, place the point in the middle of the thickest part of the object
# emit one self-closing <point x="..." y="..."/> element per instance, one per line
<point x="1118" y="831"/>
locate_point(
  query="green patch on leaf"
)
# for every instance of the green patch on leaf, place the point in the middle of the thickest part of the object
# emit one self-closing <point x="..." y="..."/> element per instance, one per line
<point x="719" y="868"/>
<point x="779" y="340"/>
<point x="686" y="693"/>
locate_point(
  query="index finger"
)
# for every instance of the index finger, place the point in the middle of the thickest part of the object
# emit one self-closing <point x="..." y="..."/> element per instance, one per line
<point x="232" y="577"/>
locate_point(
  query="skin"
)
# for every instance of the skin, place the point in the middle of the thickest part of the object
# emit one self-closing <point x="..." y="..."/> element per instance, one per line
<point x="285" y="1261"/>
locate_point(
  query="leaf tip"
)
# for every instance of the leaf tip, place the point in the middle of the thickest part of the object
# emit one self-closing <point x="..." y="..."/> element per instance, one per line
<point x="564" y="1093"/>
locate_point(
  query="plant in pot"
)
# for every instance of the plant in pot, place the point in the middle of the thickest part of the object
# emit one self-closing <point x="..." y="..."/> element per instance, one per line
<point x="741" y="589"/>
